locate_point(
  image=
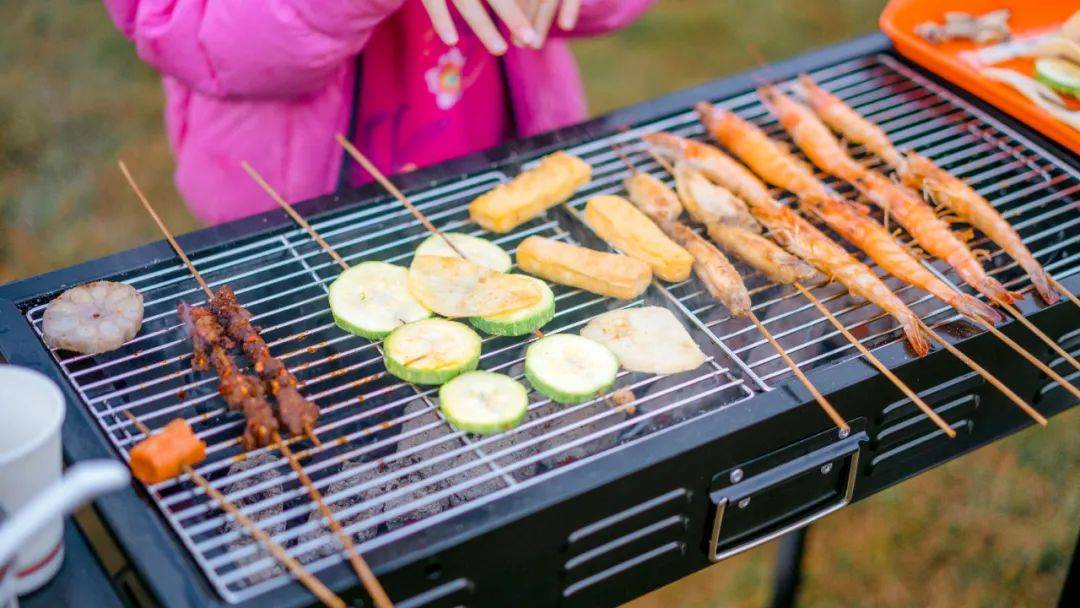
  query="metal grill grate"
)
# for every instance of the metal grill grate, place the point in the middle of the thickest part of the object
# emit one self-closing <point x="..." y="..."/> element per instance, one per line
<point x="390" y="465"/>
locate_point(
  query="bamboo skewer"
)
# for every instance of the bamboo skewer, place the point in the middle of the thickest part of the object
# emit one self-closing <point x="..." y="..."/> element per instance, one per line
<point x="313" y="584"/>
<point x="359" y="566"/>
<point x="161" y="225"/>
<point x="885" y="371"/>
<point x="992" y="379"/>
<point x="1019" y="316"/>
<point x="293" y="214"/>
<point x="1043" y="367"/>
<point x="826" y="406"/>
<point x="364" y="572"/>
<point x="372" y="170"/>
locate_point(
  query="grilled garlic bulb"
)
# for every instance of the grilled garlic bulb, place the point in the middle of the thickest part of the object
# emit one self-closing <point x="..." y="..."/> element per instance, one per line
<point x="93" y="318"/>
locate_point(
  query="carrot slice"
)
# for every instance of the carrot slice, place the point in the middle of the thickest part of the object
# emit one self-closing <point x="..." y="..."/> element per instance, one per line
<point x="164" y="455"/>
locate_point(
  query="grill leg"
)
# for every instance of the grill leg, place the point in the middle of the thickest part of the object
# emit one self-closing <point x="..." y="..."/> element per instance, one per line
<point x="789" y="569"/>
<point x="1071" y="587"/>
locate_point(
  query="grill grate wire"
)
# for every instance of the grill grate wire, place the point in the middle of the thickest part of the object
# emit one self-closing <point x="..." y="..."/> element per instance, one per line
<point x="390" y="465"/>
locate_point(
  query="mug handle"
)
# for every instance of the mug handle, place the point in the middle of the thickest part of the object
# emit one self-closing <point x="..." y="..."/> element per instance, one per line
<point x="81" y="483"/>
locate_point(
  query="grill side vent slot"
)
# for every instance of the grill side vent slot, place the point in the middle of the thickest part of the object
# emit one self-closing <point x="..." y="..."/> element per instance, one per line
<point x="904" y="432"/>
<point x="619" y="543"/>
<point x="1070" y="343"/>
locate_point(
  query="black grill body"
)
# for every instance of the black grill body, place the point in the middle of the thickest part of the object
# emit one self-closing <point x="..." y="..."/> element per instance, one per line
<point x="624" y="521"/>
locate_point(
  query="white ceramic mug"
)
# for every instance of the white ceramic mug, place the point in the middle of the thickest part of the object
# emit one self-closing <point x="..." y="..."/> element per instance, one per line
<point x="31" y="413"/>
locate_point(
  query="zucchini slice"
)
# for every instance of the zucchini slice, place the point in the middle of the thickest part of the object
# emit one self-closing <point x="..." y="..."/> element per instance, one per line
<point x="570" y="369"/>
<point x="431" y="351"/>
<point x="520" y="322"/>
<point x="1059" y="74"/>
<point x="476" y="250"/>
<point x="372" y="298"/>
<point x="483" y="402"/>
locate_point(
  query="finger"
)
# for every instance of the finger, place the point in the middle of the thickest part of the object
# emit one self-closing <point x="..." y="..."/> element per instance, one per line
<point x="568" y="14"/>
<point x="510" y="14"/>
<point x="542" y="18"/>
<point x="529" y="8"/>
<point x="476" y="16"/>
<point x="442" y="21"/>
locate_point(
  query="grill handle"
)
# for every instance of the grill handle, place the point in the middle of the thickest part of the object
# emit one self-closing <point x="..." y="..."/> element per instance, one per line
<point x="848" y="448"/>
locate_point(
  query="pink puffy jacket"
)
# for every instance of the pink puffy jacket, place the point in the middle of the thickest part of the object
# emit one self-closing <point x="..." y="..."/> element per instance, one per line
<point x="271" y="81"/>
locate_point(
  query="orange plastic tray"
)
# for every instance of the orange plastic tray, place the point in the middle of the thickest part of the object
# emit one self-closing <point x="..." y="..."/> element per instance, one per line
<point x="1029" y="17"/>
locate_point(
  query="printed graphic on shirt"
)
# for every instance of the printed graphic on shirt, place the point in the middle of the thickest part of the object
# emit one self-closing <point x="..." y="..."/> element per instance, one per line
<point x="444" y="79"/>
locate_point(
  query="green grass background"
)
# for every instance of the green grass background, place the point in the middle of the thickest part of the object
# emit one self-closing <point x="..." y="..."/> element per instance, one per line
<point x="994" y="528"/>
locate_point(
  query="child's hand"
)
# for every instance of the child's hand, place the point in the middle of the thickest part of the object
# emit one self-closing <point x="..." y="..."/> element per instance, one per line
<point x="524" y="18"/>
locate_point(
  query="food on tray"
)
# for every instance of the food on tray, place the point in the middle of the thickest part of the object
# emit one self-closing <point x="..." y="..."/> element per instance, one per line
<point x="1039" y="94"/>
<point x="93" y="318"/>
<point x="958" y="25"/>
<point x="431" y="351"/>
<point x="475" y="249"/>
<point x="164" y="455"/>
<point x="764" y="255"/>
<point x="1060" y="75"/>
<point x="648" y="339"/>
<point x="626" y="228"/>
<point x="522" y="321"/>
<point x="294" y="410"/>
<point x="531" y="193"/>
<point x="570" y="369"/>
<point x="241" y="392"/>
<point x="718" y="275"/>
<point x="607" y="274"/>
<point x="1065" y="43"/>
<point x="792" y="231"/>
<point x="483" y="402"/>
<point x="905" y="206"/>
<point x="372" y="299"/>
<point x="453" y="287"/>
<point x="653" y="197"/>
<point x="706" y="202"/>
<point x="922" y="174"/>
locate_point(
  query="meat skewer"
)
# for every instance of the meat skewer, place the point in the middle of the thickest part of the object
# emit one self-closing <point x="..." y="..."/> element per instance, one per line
<point x="296" y="413"/>
<point x="922" y="174"/>
<point x="240" y="391"/>
<point x="720" y="278"/>
<point x="301" y="414"/>
<point x="791" y="231"/>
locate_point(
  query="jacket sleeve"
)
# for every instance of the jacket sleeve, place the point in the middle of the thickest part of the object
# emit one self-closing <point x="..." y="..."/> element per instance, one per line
<point x="603" y="16"/>
<point x="249" y="49"/>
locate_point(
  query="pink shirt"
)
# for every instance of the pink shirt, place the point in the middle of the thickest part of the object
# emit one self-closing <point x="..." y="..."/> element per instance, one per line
<point x="272" y="81"/>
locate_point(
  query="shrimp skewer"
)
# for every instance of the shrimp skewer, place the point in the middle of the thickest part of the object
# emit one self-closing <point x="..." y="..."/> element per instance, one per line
<point x="922" y="174"/>
<point x="918" y="218"/>
<point x="766" y="256"/>
<point x="792" y="231"/>
<point x="894" y="258"/>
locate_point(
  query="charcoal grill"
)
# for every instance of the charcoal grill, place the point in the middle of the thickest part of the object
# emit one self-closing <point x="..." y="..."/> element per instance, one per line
<point x="580" y="505"/>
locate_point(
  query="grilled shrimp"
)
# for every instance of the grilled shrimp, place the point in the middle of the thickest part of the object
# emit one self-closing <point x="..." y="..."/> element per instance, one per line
<point x="792" y="232"/>
<point x="93" y="318"/>
<point x="715" y="271"/>
<point x="910" y="210"/>
<point x="654" y="198"/>
<point x="920" y="172"/>
<point x="765" y="156"/>
<point x="761" y="253"/>
<point x="879" y="244"/>
<point x="706" y="202"/>
<point x="849" y="123"/>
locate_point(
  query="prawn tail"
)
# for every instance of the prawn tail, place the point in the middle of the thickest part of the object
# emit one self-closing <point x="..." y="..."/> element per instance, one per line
<point x="915" y="336"/>
<point x="1042" y="284"/>
<point x="998" y="292"/>
<point x="973" y="307"/>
